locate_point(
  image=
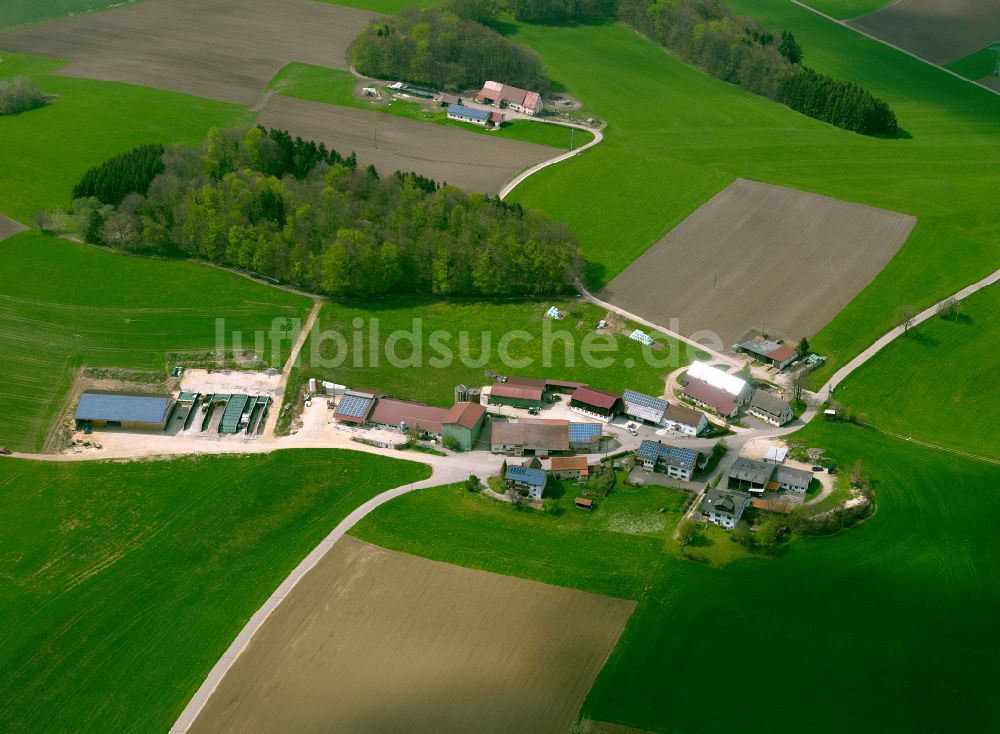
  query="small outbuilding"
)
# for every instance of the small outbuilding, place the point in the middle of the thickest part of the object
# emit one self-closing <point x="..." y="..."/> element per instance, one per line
<point x="570" y="467"/>
<point x="463" y="424"/>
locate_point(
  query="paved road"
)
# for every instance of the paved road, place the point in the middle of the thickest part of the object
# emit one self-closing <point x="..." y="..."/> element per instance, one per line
<point x="598" y="137"/>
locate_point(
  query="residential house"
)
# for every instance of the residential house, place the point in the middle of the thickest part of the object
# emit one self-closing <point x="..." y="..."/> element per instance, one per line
<point x="770" y="408"/>
<point x="724" y="508"/>
<point x="513" y="98"/>
<point x="530" y="482"/>
<point x="570" y="467"/>
<point x="686" y="420"/>
<point x="790" y="479"/>
<point x="670" y="460"/>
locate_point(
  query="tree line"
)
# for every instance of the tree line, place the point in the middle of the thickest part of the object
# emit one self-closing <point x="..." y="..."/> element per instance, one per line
<point x="295" y="211"/>
<point x="20" y="95"/>
<point x="117" y="177"/>
<point x="439" y="49"/>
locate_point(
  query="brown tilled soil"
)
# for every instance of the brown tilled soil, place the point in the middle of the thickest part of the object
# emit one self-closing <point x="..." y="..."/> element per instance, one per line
<point x="9" y="228"/>
<point x="758" y="257"/>
<point x="220" y="49"/>
<point x="471" y="160"/>
<point x="372" y="641"/>
<point x="941" y="31"/>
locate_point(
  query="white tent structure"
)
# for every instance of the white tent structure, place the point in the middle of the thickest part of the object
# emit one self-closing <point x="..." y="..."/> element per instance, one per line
<point x="735" y="386"/>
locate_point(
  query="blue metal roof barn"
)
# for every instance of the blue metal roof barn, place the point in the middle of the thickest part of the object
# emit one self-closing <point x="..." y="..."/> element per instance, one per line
<point x="134" y="408"/>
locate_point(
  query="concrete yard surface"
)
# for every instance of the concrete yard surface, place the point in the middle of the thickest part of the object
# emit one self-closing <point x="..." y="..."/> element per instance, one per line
<point x="941" y="31"/>
<point x="758" y="257"/>
<point x="375" y="641"/>
<point x="221" y="49"/>
<point x="471" y="160"/>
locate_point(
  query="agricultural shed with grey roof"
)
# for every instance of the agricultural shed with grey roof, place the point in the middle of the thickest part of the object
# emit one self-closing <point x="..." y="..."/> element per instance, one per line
<point x="750" y="474"/>
<point x="128" y="410"/>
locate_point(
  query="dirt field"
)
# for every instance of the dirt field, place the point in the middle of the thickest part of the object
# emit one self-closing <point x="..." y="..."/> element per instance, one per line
<point x="470" y="160"/>
<point x="9" y="228"/>
<point x="760" y="257"/>
<point x="941" y="31"/>
<point x="221" y="49"/>
<point x="375" y="641"/>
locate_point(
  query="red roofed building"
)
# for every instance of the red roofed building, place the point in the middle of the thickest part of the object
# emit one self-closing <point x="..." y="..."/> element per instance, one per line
<point x="513" y="98"/>
<point x="600" y="403"/>
<point x="463" y="424"/>
<point x="714" y="398"/>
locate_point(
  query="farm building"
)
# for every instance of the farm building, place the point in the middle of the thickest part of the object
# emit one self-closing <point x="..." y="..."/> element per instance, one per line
<point x="242" y="412"/>
<point x="448" y="99"/>
<point x="354" y="407"/>
<point x="137" y="412"/>
<point x="463" y="424"/>
<point x="724" y="508"/>
<point x="757" y="476"/>
<point x="403" y="415"/>
<point x="686" y="420"/>
<point x="518" y="392"/>
<point x="513" y="98"/>
<point x="528" y="481"/>
<point x="598" y="403"/>
<point x="770" y="408"/>
<point x="483" y="118"/>
<point x="540" y="436"/>
<point x="670" y="460"/>
<point x="717" y="390"/>
<point x="791" y="479"/>
<point x="570" y="467"/>
<point x="585" y="437"/>
<point x="769" y="352"/>
<point x="644" y="408"/>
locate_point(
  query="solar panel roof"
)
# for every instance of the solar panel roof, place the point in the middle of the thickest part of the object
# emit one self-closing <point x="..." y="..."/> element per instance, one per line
<point x="355" y="405"/>
<point x="644" y="407"/>
<point x="584" y="432"/>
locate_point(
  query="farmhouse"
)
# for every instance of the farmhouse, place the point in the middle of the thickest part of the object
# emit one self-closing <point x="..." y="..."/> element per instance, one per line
<point x="405" y="416"/>
<point x="528" y="481"/>
<point x="770" y="408"/>
<point x="769" y="352"/>
<point x="463" y="424"/>
<point x="724" y="508"/>
<point x="504" y="95"/>
<point x="717" y="390"/>
<point x="598" y="403"/>
<point x="687" y="420"/>
<point x="570" y="467"/>
<point x="518" y="392"/>
<point x="757" y="476"/>
<point x="138" y="412"/>
<point x="644" y="408"/>
<point x="483" y="118"/>
<point x="670" y="460"/>
<point x="540" y="436"/>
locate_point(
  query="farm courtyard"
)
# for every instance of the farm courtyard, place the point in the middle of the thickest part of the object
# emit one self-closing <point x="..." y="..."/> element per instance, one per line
<point x="378" y="641"/>
<point x="763" y="258"/>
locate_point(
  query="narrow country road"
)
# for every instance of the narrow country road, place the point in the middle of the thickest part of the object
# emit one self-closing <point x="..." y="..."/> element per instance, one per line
<point x="286" y="370"/>
<point x="519" y="178"/>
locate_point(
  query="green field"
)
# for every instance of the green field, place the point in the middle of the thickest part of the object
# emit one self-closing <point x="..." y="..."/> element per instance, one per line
<point x="977" y="65"/>
<point x="21" y="12"/>
<point x="389" y="7"/>
<point x="123" y="583"/>
<point x="676" y="137"/>
<point x="952" y="364"/>
<point x="435" y="381"/>
<point x="45" y="151"/>
<point x="64" y="306"/>
<point x="333" y="86"/>
<point x="845" y="9"/>
<point x="878" y="629"/>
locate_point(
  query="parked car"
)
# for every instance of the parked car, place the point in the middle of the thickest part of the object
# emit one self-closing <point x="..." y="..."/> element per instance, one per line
<point x="817" y="468"/>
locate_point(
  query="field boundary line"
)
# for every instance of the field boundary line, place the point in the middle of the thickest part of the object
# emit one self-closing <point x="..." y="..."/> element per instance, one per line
<point x="935" y="446"/>
<point x="893" y="46"/>
<point x="254" y="624"/>
<point x="523" y="175"/>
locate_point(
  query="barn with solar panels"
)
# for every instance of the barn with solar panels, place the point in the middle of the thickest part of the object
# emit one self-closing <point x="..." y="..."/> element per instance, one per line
<point x="644" y="408"/>
<point x="585" y="437"/>
<point x="354" y="407"/>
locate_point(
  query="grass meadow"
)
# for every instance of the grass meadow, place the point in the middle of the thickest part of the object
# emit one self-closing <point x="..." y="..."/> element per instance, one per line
<point x="123" y="583"/>
<point x="333" y="86"/>
<point x="45" y="151"/>
<point x="485" y="324"/>
<point x="676" y="136"/>
<point x="22" y="12"/>
<point x="976" y="65"/>
<point x="878" y="629"/>
<point x="65" y="306"/>
<point x="845" y="9"/>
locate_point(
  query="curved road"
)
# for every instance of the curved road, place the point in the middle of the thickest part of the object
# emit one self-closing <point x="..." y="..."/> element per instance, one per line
<point x="598" y="137"/>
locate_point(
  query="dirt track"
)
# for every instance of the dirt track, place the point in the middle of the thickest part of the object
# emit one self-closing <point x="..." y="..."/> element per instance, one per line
<point x="9" y="228"/>
<point x="941" y="31"/>
<point x="221" y="49"/>
<point x="378" y="641"/>
<point x="760" y="257"/>
<point x="470" y="160"/>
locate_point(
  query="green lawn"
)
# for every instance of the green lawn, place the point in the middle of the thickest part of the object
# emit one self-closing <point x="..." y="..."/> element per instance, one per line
<point x="45" y="151"/>
<point x="976" y="65"/>
<point x="676" y="137"/>
<point x="123" y="583"/>
<point x="389" y="7"/>
<point x="20" y="12"/>
<point x="65" y="305"/>
<point x="845" y="9"/>
<point x="333" y="86"/>
<point x="885" y="619"/>
<point x="952" y="365"/>
<point x="474" y="329"/>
